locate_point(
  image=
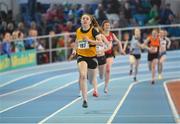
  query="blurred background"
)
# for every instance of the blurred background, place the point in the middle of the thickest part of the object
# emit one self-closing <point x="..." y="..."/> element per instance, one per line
<point x="35" y="32"/>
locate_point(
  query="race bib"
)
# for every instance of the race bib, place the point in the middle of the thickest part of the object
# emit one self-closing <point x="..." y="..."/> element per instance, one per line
<point x="106" y="46"/>
<point x="99" y="48"/>
<point x="83" y="45"/>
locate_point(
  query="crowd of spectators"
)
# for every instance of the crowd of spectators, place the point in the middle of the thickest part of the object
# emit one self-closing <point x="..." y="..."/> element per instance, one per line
<point x="36" y="19"/>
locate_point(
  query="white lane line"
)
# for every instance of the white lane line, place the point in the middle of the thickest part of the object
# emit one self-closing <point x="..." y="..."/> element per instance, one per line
<point x="32" y="74"/>
<point x="52" y="91"/>
<point x="120" y="103"/>
<point x="39" y="67"/>
<point x="125" y="96"/>
<point x="35" y="85"/>
<point x="145" y="65"/>
<point x="113" y="68"/>
<point x="23" y="102"/>
<point x="40" y="95"/>
<point x="44" y="81"/>
<point x="82" y="116"/>
<point x="68" y="105"/>
<point x="171" y="103"/>
<point x="26" y="101"/>
<point x="171" y="54"/>
<point x="47" y="93"/>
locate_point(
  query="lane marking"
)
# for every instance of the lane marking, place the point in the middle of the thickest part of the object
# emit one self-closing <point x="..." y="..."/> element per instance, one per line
<point x="126" y="94"/>
<point x="44" y="81"/>
<point x="68" y="105"/>
<point x="113" y="68"/>
<point x="38" y="67"/>
<point x="32" y="74"/>
<point x="170" y="101"/>
<point x="73" y="62"/>
<point x="44" y="94"/>
<point x="35" y="85"/>
<point x="113" y="79"/>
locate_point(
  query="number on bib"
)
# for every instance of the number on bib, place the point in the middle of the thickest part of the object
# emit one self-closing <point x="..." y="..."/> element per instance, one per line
<point x="83" y="45"/>
<point x="99" y="48"/>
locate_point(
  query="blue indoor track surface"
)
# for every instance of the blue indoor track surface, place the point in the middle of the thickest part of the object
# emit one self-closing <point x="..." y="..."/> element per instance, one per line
<point x="50" y="94"/>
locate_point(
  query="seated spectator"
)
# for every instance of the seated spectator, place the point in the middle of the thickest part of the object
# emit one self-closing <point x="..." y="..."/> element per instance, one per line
<point x="3" y="26"/>
<point x="165" y="12"/>
<point x="30" y="41"/>
<point x="68" y="27"/>
<point x="42" y="56"/>
<point x="156" y="2"/>
<point x="146" y="4"/>
<point x="123" y="21"/>
<point x="21" y="27"/>
<point x="138" y="12"/>
<point x="1" y="52"/>
<point x="18" y="40"/>
<point x="112" y="10"/>
<point x="6" y="45"/>
<point x="61" y="52"/>
<point x="127" y="12"/>
<point x="100" y="14"/>
<point x="10" y="27"/>
<point x="153" y="16"/>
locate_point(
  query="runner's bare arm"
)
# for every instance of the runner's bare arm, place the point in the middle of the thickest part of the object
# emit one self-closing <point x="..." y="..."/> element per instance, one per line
<point x="169" y="42"/>
<point x="119" y="43"/>
<point x="145" y="44"/>
<point x="98" y="40"/>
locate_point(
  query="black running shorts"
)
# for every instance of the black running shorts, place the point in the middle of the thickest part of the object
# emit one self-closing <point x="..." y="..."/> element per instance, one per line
<point x="91" y="61"/>
<point x="101" y="60"/>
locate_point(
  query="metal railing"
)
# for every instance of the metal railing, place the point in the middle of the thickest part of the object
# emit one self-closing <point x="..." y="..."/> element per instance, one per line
<point x="53" y="51"/>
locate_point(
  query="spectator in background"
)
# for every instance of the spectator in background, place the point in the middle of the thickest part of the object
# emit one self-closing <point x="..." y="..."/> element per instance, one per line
<point x="3" y="15"/>
<point x="18" y="40"/>
<point x="138" y="12"/>
<point x="1" y="51"/>
<point x="166" y="13"/>
<point x="123" y="21"/>
<point x="87" y="9"/>
<point x="60" y="53"/>
<point x="100" y="14"/>
<point x="113" y="10"/>
<point x="127" y="12"/>
<point x="146" y="4"/>
<point x="138" y="7"/>
<point x="156" y="2"/>
<point x="10" y="27"/>
<point x="54" y="40"/>
<point x="38" y="14"/>
<point x="42" y="56"/>
<point x="21" y="27"/>
<point x="34" y="26"/>
<point x="32" y="8"/>
<point x="3" y="26"/>
<point x="6" y="45"/>
<point x="9" y="17"/>
<point x="68" y="27"/>
<point x="30" y="41"/>
<point x="153" y="15"/>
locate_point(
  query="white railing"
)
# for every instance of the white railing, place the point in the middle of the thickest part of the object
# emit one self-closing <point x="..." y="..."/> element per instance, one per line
<point x="66" y="47"/>
<point x="120" y="30"/>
